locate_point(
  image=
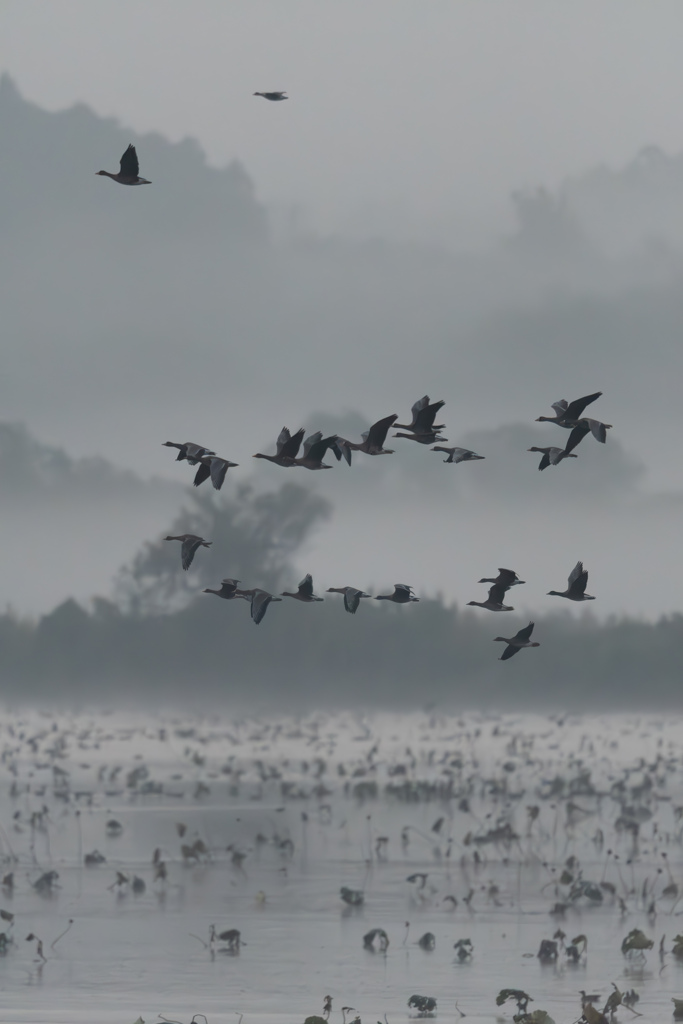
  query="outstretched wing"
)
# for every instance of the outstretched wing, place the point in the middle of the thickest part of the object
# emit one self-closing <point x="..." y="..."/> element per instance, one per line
<point x="306" y="586"/>
<point x="575" y="408"/>
<point x="310" y="441"/>
<point x="341" y="449"/>
<point x="509" y="652"/>
<point x="283" y="437"/>
<point x="424" y="421"/>
<point x="317" y="450"/>
<point x="497" y="592"/>
<point x="377" y="434"/>
<point x="351" y="600"/>
<point x="219" y="467"/>
<point x="190" y="545"/>
<point x="130" y="168"/>
<point x="260" y="600"/>
<point x="577" y="435"/>
<point x="560" y="407"/>
<point x="524" y="634"/>
<point x="421" y="404"/>
<point x="575" y="573"/>
<point x="203" y="473"/>
<point x="597" y="429"/>
<point x="578" y="579"/>
<point x="288" y="446"/>
<point x="545" y="461"/>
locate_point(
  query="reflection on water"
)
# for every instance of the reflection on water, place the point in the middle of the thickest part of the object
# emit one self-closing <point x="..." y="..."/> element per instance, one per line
<point x="218" y="852"/>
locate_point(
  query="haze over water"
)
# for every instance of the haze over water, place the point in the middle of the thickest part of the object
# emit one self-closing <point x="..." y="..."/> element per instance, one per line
<point x="478" y="202"/>
<point x="288" y="811"/>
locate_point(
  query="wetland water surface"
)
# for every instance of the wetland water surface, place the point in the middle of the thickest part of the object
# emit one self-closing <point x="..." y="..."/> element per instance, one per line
<point x="257" y="825"/>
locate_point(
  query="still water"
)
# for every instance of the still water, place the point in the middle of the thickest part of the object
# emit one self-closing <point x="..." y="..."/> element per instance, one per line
<point x="502" y="824"/>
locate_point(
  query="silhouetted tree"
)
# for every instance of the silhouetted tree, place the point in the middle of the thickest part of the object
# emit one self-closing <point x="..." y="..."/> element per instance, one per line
<point x="253" y="538"/>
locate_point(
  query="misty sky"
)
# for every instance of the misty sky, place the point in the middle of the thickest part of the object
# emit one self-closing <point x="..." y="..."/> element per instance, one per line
<point x="199" y="309"/>
<point x="404" y="117"/>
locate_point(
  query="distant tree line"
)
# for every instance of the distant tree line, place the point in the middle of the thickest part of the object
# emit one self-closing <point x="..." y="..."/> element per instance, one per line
<point x="165" y="643"/>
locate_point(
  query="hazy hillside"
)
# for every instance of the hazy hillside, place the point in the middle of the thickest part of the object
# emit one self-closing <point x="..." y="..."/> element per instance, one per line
<point x="172" y="312"/>
<point x="170" y="307"/>
<point x="70" y="523"/>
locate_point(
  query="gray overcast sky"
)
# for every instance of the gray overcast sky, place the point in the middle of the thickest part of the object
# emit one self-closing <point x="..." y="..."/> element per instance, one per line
<point x="436" y="110"/>
<point x="410" y="118"/>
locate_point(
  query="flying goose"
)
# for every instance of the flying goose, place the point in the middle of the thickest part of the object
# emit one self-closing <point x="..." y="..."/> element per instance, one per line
<point x="373" y="440"/>
<point x="189" y="451"/>
<point x="424" y="415"/>
<point x="458" y="454"/>
<point x="567" y="414"/>
<point x="228" y="590"/>
<point x="402" y="594"/>
<point x="215" y="467"/>
<point x="517" y="641"/>
<point x="494" y="602"/>
<point x="304" y="590"/>
<point x="505" y="578"/>
<point x="273" y="95"/>
<point x="553" y="456"/>
<point x="587" y="426"/>
<point x="315" y="448"/>
<point x="129" y="170"/>
<point x="352" y="597"/>
<point x="286" y="448"/>
<point x="190" y="544"/>
<point x="260" y="599"/>
<point x="576" y="585"/>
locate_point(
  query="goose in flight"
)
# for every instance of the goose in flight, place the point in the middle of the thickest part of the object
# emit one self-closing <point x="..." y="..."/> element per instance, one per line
<point x="424" y="415"/>
<point x="228" y="590"/>
<point x="567" y="414"/>
<point x="190" y="544"/>
<point x="286" y="448"/>
<point x="260" y="599"/>
<point x="458" y="454"/>
<point x="315" y="448"/>
<point x="304" y="591"/>
<point x="553" y="456"/>
<point x="402" y="594"/>
<point x="214" y="467"/>
<point x="273" y="95"/>
<point x="129" y="170"/>
<point x="494" y="602"/>
<point x="189" y="451"/>
<point x="587" y="426"/>
<point x="576" y="585"/>
<point x="516" y="642"/>
<point x="505" y="578"/>
<point x="373" y="440"/>
<point x="352" y="597"/>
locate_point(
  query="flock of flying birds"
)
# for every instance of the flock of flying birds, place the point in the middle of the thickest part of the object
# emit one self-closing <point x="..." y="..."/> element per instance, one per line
<point x="422" y="429"/>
